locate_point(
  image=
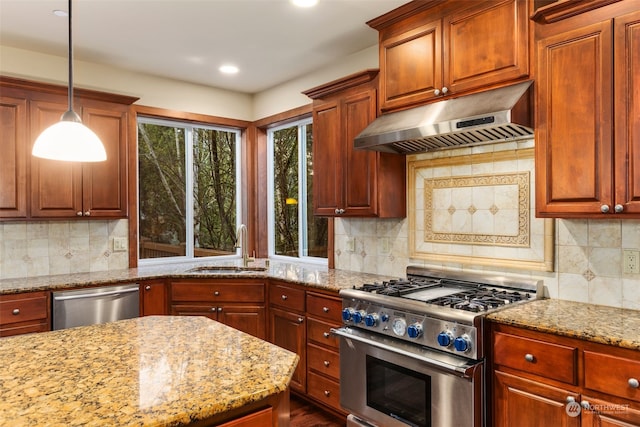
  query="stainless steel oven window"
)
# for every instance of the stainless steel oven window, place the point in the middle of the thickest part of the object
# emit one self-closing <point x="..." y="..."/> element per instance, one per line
<point x="399" y="392"/>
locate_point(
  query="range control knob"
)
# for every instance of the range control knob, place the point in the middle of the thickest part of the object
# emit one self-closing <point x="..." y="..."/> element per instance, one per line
<point x="371" y="319"/>
<point x="384" y="317"/>
<point x="414" y="330"/>
<point x="347" y="313"/>
<point x="358" y="316"/>
<point x="462" y="344"/>
<point x="445" y="338"/>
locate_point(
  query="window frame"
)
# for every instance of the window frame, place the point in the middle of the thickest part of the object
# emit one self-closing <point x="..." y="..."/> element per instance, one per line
<point x="189" y="183"/>
<point x="302" y="195"/>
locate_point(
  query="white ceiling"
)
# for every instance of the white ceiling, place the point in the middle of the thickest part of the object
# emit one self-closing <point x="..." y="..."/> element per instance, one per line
<point x="271" y="41"/>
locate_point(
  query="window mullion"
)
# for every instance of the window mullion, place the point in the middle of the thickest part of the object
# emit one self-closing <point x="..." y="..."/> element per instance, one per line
<point x="189" y="190"/>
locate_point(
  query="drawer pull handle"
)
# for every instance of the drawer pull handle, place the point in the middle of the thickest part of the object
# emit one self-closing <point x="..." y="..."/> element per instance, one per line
<point x="325" y="309"/>
<point x="529" y="357"/>
<point x="284" y="297"/>
<point x="300" y="319"/>
<point x="326" y="334"/>
<point x="216" y="293"/>
<point x="327" y="393"/>
<point x="327" y="363"/>
<point x="15" y="311"/>
<point x="633" y="383"/>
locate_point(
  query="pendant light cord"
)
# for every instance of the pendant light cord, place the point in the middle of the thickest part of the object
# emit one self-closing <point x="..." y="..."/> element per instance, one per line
<point x="70" y="92"/>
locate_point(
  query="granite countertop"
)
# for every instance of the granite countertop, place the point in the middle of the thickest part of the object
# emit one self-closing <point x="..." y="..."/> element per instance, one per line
<point x="149" y="371"/>
<point x="311" y="275"/>
<point x="601" y="324"/>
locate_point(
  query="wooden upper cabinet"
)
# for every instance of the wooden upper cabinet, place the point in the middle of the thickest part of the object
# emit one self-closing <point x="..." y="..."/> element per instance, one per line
<point x="350" y="182"/>
<point x="430" y="50"/>
<point x="588" y="115"/>
<point x="31" y="187"/>
<point x="13" y="173"/>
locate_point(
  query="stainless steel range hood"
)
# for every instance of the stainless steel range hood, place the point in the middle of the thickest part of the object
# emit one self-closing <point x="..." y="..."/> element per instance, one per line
<point x="490" y="116"/>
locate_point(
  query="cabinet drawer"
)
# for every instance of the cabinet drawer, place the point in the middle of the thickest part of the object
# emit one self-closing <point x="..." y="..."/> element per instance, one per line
<point x="324" y="390"/>
<point x="323" y="361"/>
<point x="554" y="361"/>
<point x="612" y="375"/>
<point x="23" y="308"/>
<point x="325" y="307"/>
<point x="217" y="292"/>
<point x="319" y="333"/>
<point x="286" y="297"/>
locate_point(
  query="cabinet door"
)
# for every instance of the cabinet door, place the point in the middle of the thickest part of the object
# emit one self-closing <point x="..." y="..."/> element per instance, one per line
<point x="608" y="414"/>
<point x="525" y="403"/>
<point x="104" y="187"/>
<point x="153" y="298"/>
<point x="486" y="45"/>
<point x="574" y="122"/>
<point x="13" y="146"/>
<point x="249" y="319"/>
<point x="627" y="111"/>
<point x="359" y="168"/>
<point x="327" y="159"/>
<point x="56" y="186"/>
<point x="411" y="66"/>
<point x="287" y="330"/>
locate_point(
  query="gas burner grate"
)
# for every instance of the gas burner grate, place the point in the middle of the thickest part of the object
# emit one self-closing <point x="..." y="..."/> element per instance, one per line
<point x="479" y="300"/>
<point x="398" y="287"/>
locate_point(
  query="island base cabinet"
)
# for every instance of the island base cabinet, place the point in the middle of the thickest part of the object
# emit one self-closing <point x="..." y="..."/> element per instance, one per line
<point x="257" y="419"/>
<point x="526" y="403"/>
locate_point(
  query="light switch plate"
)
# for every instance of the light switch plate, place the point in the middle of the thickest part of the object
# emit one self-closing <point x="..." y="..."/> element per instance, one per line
<point x="119" y="244"/>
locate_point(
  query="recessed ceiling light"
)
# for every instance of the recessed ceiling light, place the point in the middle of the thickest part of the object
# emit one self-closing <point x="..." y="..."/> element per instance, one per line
<point x="228" y="69"/>
<point x="304" y="3"/>
<point x="61" y="13"/>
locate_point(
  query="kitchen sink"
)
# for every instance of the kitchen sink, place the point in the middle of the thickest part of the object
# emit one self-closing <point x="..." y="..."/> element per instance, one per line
<point x="225" y="269"/>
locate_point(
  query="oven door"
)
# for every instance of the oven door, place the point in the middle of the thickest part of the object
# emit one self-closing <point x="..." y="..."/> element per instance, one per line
<point x="390" y="383"/>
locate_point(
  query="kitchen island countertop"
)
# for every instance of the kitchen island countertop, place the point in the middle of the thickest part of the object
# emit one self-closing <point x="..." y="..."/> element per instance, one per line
<point x="618" y="327"/>
<point x="149" y="371"/>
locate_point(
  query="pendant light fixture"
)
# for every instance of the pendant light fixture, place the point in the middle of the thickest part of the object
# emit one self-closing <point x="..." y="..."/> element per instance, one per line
<point x="69" y="139"/>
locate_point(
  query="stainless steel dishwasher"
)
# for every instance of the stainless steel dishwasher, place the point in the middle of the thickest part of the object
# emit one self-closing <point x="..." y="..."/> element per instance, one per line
<point x="95" y="305"/>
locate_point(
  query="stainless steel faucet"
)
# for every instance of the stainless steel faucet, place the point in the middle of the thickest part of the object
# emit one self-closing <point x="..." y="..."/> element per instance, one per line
<point x="241" y="243"/>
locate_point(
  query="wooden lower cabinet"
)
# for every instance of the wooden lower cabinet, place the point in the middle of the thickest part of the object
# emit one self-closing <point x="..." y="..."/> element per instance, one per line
<point x="236" y="303"/>
<point x="541" y="379"/>
<point x="153" y="298"/>
<point x="287" y="330"/>
<point x="257" y="419"/>
<point x="24" y="313"/>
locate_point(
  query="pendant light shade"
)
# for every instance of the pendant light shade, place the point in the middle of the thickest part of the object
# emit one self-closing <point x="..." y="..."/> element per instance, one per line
<point x="69" y="139"/>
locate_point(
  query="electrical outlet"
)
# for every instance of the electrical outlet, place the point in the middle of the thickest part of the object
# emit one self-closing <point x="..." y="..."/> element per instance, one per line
<point x="385" y="248"/>
<point x="119" y="244"/>
<point x="350" y="244"/>
<point x="631" y="261"/>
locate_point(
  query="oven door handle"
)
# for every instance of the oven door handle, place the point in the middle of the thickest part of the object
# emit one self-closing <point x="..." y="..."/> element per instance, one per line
<point x="465" y="371"/>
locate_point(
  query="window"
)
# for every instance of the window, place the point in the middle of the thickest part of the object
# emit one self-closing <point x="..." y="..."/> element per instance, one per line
<point x="188" y="185"/>
<point x="293" y="230"/>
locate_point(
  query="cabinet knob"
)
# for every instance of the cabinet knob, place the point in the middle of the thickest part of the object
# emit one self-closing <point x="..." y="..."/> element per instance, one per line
<point x="327" y="393"/>
<point x="618" y="208"/>
<point x="15" y="311"/>
<point x="219" y="309"/>
<point x="216" y="293"/>
<point x="327" y="363"/>
<point x="571" y="399"/>
<point x="212" y="309"/>
<point x="147" y="288"/>
<point x="284" y="297"/>
<point x="633" y="383"/>
<point x="325" y="309"/>
<point x="326" y="334"/>
<point x="339" y="211"/>
<point x="436" y="92"/>
<point x="604" y="208"/>
<point x="87" y="213"/>
<point x="79" y="213"/>
<point x="300" y="319"/>
<point x="445" y="90"/>
<point x="585" y="404"/>
<point x="529" y="357"/>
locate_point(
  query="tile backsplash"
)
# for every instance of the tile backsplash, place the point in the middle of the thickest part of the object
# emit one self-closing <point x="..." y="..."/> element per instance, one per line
<point x="60" y="247"/>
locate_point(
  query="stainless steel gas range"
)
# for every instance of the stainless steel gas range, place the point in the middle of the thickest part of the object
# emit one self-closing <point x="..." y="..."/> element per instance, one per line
<point x="412" y="351"/>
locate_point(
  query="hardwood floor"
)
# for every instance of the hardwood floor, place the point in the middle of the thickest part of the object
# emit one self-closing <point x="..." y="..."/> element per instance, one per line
<point x="304" y="414"/>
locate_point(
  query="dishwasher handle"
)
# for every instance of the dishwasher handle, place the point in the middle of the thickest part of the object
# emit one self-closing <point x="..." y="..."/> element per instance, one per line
<point x="90" y="294"/>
